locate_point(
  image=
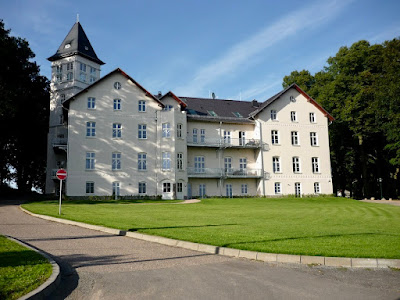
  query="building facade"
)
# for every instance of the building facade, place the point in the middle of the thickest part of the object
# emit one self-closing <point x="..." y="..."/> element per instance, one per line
<point x="116" y="138"/>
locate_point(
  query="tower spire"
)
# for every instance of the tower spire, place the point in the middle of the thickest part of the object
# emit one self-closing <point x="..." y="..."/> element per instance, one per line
<point x="77" y="18"/>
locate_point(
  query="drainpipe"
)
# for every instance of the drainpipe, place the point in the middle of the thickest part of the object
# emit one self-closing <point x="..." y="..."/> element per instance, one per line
<point x="157" y="150"/>
<point x="219" y="159"/>
<point x="262" y="158"/>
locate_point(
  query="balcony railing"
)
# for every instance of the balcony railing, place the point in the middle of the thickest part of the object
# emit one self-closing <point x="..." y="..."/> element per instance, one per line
<point x="223" y="173"/>
<point x="60" y="144"/>
<point x="203" y="141"/>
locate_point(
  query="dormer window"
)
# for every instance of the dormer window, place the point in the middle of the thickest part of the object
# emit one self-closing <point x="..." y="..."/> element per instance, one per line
<point x="212" y="113"/>
<point x="237" y="114"/>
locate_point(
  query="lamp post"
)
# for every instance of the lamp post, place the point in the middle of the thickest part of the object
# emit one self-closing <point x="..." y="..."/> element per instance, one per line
<point x="380" y="184"/>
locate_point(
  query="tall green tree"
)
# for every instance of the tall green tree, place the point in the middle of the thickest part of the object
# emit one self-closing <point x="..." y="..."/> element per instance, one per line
<point x="360" y="87"/>
<point x="24" y="101"/>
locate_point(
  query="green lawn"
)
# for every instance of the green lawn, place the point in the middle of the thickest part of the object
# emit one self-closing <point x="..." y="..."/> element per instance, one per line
<point x="21" y="269"/>
<point x="323" y="226"/>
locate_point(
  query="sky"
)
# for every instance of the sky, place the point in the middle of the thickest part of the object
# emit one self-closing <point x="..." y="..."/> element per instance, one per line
<point x="236" y="49"/>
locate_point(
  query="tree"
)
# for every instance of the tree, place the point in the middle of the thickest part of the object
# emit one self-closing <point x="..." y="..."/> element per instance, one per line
<point x="24" y="98"/>
<point x="360" y="87"/>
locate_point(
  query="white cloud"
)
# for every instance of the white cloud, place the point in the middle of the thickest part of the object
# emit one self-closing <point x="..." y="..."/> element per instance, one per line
<point x="259" y="89"/>
<point x="238" y="55"/>
<point x="388" y="34"/>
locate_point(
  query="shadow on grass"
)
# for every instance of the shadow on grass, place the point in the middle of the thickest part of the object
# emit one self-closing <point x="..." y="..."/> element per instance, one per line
<point x="21" y="258"/>
<point x="120" y="201"/>
<point x="189" y="226"/>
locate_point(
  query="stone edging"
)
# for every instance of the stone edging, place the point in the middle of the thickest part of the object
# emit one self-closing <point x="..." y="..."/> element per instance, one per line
<point x="50" y="284"/>
<point x="346" y="262"/>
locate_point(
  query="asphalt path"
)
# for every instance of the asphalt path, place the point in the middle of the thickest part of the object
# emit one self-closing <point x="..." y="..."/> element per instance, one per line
<point x="96" y="265"/>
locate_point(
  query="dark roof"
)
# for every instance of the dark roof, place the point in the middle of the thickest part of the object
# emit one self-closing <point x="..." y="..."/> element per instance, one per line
<point x="231" y="109"/>
<point x="79" y="44"/>
<point x="177" y="99"/>
<point x="118" y="70"/>
<point x="220" y="119"/>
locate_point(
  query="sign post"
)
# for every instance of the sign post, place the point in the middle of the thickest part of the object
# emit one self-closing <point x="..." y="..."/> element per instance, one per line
<point x="61" y="175"/>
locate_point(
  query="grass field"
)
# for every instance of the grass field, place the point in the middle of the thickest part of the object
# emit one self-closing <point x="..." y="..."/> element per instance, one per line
<point x="324" y="226"/>
<point x="21" y="269"/>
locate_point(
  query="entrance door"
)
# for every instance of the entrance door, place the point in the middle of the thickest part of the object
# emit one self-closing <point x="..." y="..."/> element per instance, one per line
<point x="189" y="190"/>
<point x="179" y="190"/>
<point x="228" y="190"/>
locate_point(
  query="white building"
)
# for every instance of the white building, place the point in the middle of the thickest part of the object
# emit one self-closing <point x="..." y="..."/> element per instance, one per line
<point x="115" y="137"/>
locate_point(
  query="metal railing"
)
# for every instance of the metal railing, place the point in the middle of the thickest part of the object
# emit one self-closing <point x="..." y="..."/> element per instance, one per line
<point x="221" y="172"/>
<point x="203" y="141"/>
<point x="59" y="142"/>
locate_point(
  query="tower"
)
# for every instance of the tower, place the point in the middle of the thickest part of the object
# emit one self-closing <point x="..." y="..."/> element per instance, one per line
<point x="74" y="66"/>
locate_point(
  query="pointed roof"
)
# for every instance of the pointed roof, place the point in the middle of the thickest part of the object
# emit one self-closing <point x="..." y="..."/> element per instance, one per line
<point x="176" y="98"/>
<point x="76" y="42"/>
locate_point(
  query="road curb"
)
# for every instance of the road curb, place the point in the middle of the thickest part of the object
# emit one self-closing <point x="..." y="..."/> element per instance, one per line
<point x="50" y="284"/>
<point x="344" y="262"/>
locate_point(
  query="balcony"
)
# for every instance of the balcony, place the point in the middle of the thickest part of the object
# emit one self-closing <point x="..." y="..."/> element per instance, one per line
<point x="223" y="173"/>
<point x="202" y="141"/>
<point x="60" y="144"/>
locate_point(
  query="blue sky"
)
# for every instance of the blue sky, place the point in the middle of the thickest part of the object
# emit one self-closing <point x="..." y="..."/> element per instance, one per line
<point x="236" y="49"/>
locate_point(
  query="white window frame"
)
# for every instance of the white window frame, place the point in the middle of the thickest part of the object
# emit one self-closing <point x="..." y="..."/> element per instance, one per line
<point x="117" y="85"/>
<point x="142" y="131"/>
<point x="244" y="189"/>
<point x="70" y="66"/>
<point x="242" y="138"/>
<point x="179" y="187"/>
<point x="313" y="118"/>
<point x="166" y="161"/>
<point x="117" y="104"/>
<point x="89" y="187"/>
<point x="116" y="163"/>
<point x="313" y="139"/>
<point x="70" y="76"/>
<point x="179" y="127"/>
<point x="315" y="165"/>
<point x="297" y="188"/>
<point x="273" y="115"/>
<point x="117" y="131"/>
<point x="90" y="129"/>
<point x="243" y="164"/>
<point x="91" y="103"/>
<point x="142" y="187"/>
<point x="142" y="161"/>
<point x="229" y="190"/>
<point x="179" y="161"/>
<point x="166" y="187"/>
<point x="228" y="164"/>
<point x="202" y="136"/>
<point x="199" y="164"/>
<point x="278" y="188"/>
<point x="166" y="130"/>
<point x="194" y="136"/>
<point x="227" y="137"/>
<point x="202" y="190"/>
<point x="276" y="164"/>
<point x="142" y="106"/>
<point x="90" y="162"/>
<point x="293" y="116"/>
<point x="296" y="164"/>
<point x="274" y="137"/>
<point x="295" y="138"/>
<point x="82" y="67"/>
<point x="317" y="188"/>
<point x="116" y="188"/>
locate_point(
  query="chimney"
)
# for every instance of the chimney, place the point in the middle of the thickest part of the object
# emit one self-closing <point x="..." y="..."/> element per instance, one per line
<point x="255" y="103"/>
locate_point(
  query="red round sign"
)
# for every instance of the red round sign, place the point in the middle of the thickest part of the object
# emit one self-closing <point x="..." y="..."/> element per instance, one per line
<point x="61" y="174"/>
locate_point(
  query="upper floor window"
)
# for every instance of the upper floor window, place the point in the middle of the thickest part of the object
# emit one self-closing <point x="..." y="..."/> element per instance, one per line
<point x="70" y="76"/>
<point x="313" y="139"/>
<point x="242" y="138"/>
<point x="92" y="79"/>
<point x="179" y="131"/>
<point x="117" y="104"/>
<point x="91" y="103"/>
<point x="142" y="161"/>
<point x="116" y="161"/>
<point x="194" y="135"/>
<point x="168" y="107"/>
<point x="274" y="137"/>
<point x="166" y="160"/>
<point x="59" y="77"/>
<point x="202" y="135"/>
<point x="166" y="130"/>
<point x="276" y="164"/>
<point x="227" y="137"/>
<point x="315" y="164"/>
<point x="59" y="69"/>
<point x="90" y="160"/>
<point x="273" y="114"/>
<point x="82" y="77"/>
<point x="70" y="66"/>
<point x="293" y="116"/>
<point x="142" y="131"/>
<point x="199" y="164"/>
<point x="117" y="130"/>
<point x="317" y="189"/>
<point x="295" y="138"/>
<point x="117" y="85"/>
<point x="312" y="117"/>
<point x="142" y="106"/>
<point x="82" y="67"/>
<point x="179" y="161"/>
<point x="242" y="164"/>
<point x="92" y="71"/>
<point x="91" y="129"/>
<point x="296" y="164"/>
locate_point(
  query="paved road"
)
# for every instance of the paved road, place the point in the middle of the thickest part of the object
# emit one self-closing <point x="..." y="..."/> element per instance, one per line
<point x="102" y="266"/>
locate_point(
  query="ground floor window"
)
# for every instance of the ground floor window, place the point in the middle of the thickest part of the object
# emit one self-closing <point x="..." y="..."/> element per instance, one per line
<point x="202" y="190"/>
<point x="179" y="187"/>
<point x="166" y="187"/>
<point x="228" y="190"/>
<point x="278" y="188"/>
<point x="115" y="188"/>
<point x="316" y="188"/>
<point x="89" y="187"/>
<point x="297" y="188"/>
<point x="244" y="189"/>
<point x="142" y="187"/>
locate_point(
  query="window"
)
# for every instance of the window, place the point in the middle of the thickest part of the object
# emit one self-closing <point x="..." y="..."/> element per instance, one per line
<point x="92" y="79"/>
<point x="293" y="116"/>
<point x="168" y="107"/>
<point x="295" y="138"/>
<point x="70" y="66"/>
<point x="90" y="160"/>
<point x="277" y="187"/>
<point x="202" y="136"/>
<point x="228" y="164"/>
<point x="62" y="98"/>
<point x="202" y="190"/>
<point x="59" y="69"/>
<point x="70" y="76"/>
<point x="296" y="164"/>
<point x="179" y="187"/>
<point x="117" y="104"/>
<point x="242" y="138"/>
<point x="313" y="139"/>
<point x="142" y="161"/>
<point x="91" y="103"/>
<point x="244" y="189"/>
<point x="142" y="106"/>
<point x="142" y="187"/>
<point x="115" y="188"/>
<point x="117" y="130"/>
<point x="179" y="161"/>
<point x="228" y="190"/>
<point x="166" y="160"/>
<point x="89" y="187"/>
<point x="179" y="131"/>
<point x="116" y="161"/>
<point x="142" y="131"/>
<point x="212" y="113"/>
<point x="194" y="135"/>
<point x="242" y="164"/>
<point x="312" y="117"/>
<point x="117" y="85"/>
<point x="166" y="130"/>
<point x="273" y="115"/>
<point x="82" y="67"/>
<point x="59" y="77"/>
<point x="82" y="77"/>
<point x="199" y="164"/>
<point x="316" y="188"/>
<point x="90" y="129"/>
<point x="275" y="137"/>
<point x="297" y="188"/>
<point x="92" y="70"/>
<point x="166" y="187"/>
<point x="61" y="119"/>
<point x="315" y="164"/>
<point x="237" y="114"/>
<point x="227" y="137"/>
<point x="276" y="164"/>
